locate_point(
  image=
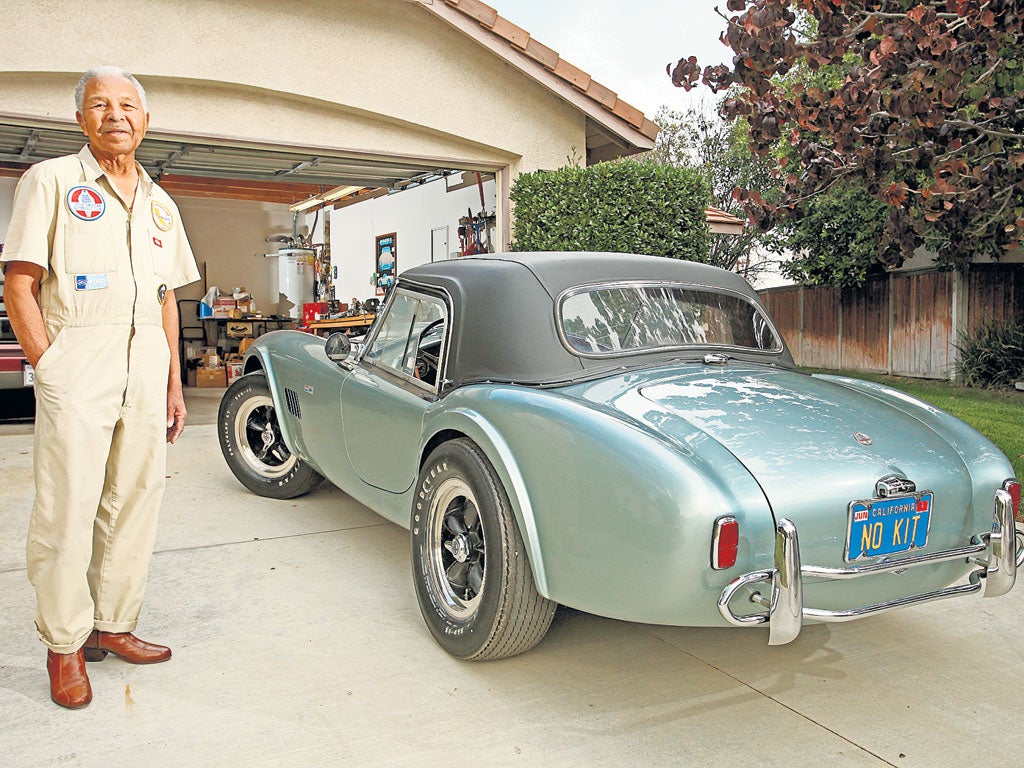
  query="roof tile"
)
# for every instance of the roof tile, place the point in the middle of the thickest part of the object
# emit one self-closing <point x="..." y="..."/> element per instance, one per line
<point x="541" y="53"/>
<point x="477" y="10"/>
<point x="574" y="75"/>
<point x="606" y="97"/>
<point x="650" y="129"/>
<point x="520" y="39"/>
<point x="518" y="36"/>
<point x="720" y="216"/>
<point x="629" y="113"/>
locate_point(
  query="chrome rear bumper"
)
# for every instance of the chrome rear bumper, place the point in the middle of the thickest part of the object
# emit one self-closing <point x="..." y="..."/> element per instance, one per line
<point x="993" y="551"/>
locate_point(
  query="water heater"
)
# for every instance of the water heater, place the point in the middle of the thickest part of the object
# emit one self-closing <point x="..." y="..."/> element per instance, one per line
<point x="294" y="280"/>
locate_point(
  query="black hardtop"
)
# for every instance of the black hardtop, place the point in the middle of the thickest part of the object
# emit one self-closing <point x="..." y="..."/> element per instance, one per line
<point x="559" y="271"/>
<point x="504" y="315"/>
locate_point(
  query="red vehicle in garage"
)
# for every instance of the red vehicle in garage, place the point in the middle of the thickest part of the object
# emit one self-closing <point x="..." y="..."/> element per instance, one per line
<point x="15" y="372"/>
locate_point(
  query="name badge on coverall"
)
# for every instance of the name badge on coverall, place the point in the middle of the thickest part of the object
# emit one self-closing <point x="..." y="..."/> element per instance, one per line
<point x="91" y="282"/>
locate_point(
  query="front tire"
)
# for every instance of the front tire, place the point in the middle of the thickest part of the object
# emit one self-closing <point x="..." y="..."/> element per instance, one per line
<point x="473" y="580"/>
<point x="251" y="441"/>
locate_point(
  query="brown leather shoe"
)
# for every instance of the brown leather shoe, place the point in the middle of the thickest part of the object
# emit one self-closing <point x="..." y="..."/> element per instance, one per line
<point x="69" y="684"/>
<point x="126" y="645"/>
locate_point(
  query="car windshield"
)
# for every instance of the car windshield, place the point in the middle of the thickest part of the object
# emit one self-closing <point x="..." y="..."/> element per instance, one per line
<point x="630" y="319"/>
<point x="410" y="336"/>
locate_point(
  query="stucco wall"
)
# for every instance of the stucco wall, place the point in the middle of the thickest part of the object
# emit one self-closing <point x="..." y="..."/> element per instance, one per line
<point x="382" y="77"/>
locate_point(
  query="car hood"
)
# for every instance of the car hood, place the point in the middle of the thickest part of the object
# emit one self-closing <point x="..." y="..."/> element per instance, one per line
<point x="813" y="445"/>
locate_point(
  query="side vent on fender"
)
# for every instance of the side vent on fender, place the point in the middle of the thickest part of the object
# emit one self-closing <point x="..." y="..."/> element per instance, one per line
<point x="293" y="403"/>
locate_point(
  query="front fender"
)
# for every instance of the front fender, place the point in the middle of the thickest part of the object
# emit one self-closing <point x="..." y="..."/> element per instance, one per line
<point x="258" y="358"/>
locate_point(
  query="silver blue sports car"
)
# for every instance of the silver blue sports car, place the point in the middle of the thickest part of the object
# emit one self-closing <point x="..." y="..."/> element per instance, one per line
<point x="628" y="436"/>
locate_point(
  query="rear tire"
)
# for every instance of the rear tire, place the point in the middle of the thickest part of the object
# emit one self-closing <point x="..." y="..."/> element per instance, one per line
<point x="251" y="441"/>
<point x="473" y="579"/>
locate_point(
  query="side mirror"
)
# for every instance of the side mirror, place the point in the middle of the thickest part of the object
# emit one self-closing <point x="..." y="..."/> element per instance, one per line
<point x="338" y="347"/>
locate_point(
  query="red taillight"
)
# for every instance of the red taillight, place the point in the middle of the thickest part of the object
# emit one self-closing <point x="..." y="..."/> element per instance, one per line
<point x="724" y="542"/>
<point x="1012" y="487"/>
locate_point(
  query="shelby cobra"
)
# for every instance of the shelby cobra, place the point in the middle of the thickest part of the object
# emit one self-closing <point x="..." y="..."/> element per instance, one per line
<point x="626" y="435"/>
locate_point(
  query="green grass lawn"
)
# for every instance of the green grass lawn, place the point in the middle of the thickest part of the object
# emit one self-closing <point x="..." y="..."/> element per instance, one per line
<point x="997" y="414"/>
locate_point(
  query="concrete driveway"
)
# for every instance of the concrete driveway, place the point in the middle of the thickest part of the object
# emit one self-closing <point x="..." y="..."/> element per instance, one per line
<point x="298" y="642"/>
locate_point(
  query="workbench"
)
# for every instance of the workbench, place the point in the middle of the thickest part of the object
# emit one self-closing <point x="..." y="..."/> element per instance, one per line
<point x="212" y="327"/>
<point x="352" y="326"/>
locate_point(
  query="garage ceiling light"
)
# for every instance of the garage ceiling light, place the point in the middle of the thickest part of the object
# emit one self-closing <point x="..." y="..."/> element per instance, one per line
<point x="325" y="197"/>
<point x="339" y="192"/>
<point x="309" y="202"/>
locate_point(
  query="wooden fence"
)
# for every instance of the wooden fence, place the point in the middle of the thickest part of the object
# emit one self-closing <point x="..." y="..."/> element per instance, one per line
<point x="905" y="324"/>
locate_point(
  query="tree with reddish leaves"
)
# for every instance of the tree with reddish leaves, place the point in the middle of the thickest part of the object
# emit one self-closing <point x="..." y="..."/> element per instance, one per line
<point x="924" y="109"/>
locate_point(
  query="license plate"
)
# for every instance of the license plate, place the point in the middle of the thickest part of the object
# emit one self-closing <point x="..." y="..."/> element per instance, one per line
<point x="28" y="375"/>
<point x="888" y="526"/>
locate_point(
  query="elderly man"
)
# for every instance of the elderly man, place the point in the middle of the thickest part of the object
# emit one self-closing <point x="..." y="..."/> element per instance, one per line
<point x="93" y="254"/>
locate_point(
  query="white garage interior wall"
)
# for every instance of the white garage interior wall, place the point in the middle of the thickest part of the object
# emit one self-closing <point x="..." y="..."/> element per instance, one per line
<point x="412" y="214"/>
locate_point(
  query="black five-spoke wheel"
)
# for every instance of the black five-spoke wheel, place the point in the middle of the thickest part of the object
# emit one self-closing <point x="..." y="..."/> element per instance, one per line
<point x="251" y="441"/>
<point x="472" y="575"/>
<point x="456" y="547"/>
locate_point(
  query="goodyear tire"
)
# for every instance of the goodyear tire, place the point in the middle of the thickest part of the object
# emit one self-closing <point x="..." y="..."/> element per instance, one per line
<point x="250" y="439"/>
<point x="473" y="580"/>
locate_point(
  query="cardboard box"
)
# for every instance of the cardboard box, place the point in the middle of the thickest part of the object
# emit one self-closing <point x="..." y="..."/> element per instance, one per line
<point x="223" y="307"/>
<point x="211" y="377"/>
<point x="246" y="306"/>
<point x="234" y="370"/>
<point x="244" y="345"/>
<point x="239" y="330"/>
<point x="209" y="360"/>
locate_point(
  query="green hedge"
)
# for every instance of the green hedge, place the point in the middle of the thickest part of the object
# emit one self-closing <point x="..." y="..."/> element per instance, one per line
<point x="628" y="206"/>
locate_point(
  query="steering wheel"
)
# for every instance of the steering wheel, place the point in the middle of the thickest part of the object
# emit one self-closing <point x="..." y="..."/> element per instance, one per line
<point x="427" y="363"/>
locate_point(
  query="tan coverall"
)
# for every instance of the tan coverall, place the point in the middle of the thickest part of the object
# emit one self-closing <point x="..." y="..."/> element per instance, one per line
<point x="101" y="389"/>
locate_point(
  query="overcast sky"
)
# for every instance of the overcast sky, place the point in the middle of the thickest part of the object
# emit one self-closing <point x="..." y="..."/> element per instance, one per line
<point x="626" y="45"/>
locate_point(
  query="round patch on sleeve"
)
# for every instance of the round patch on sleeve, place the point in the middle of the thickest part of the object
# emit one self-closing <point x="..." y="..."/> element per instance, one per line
<point x="162" y="216"/>
<point x="86" y="203"/>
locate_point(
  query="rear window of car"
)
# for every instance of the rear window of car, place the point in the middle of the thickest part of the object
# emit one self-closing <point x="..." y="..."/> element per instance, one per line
<point x="631" y="318"/>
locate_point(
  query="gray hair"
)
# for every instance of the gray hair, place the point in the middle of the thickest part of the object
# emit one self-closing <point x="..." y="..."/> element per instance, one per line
<point x="108" y="71"/>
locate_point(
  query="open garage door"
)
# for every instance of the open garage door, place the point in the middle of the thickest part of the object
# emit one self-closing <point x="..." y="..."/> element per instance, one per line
<point x="241" y="201"/>
<point x="208" y="167"/>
